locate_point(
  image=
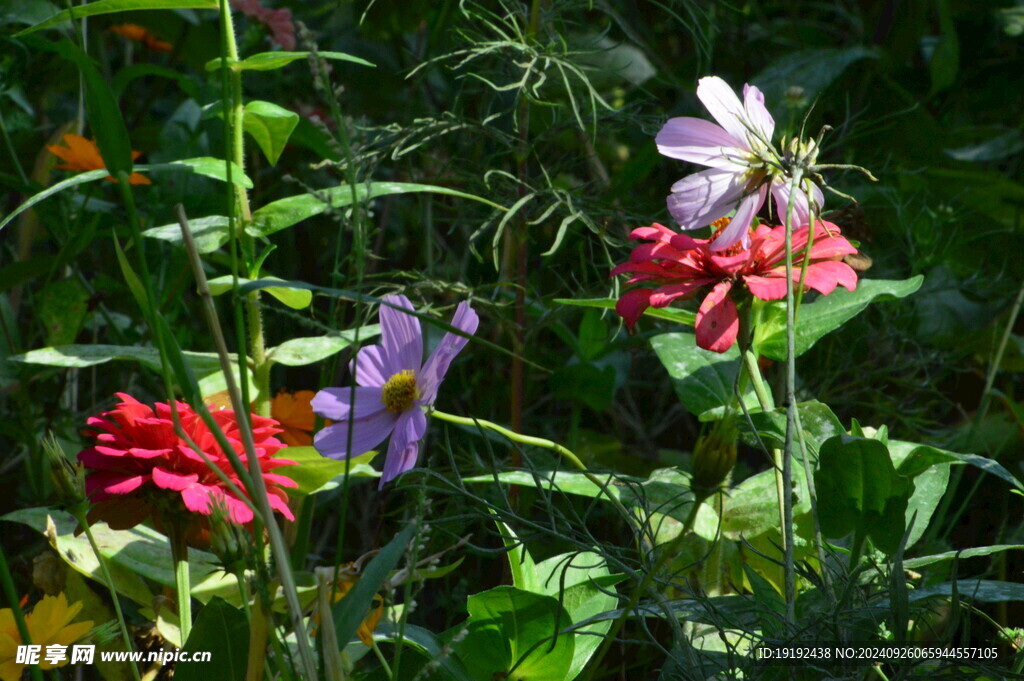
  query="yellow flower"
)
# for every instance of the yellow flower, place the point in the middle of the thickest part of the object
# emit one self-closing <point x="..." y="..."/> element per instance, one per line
<point x="48" y="624"/>
<point x="83" y="154"/>
<point x="347" y="578"/>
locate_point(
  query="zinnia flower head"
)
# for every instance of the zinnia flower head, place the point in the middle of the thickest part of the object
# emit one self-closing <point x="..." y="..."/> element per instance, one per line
<point x="49" y="623"/>
<point x="680" y="266"/>
<point x="139" y="465"/>
<point x="83" y="154"/>
<point x="742" y="162"/>
<point x="393" y="386"/>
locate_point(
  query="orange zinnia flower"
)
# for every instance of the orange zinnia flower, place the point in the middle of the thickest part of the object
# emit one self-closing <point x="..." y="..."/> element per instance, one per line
<point x="139" y="34"/>
<point x="295" y="414"/>
<point x="83" y="154"/>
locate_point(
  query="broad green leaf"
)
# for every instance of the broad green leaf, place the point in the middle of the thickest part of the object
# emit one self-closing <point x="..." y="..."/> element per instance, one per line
<point x="284" y="213"/>
<point x="983" y="590"/>
<point x="62" y="307"/>
<point x="705" y="381"/>
<point x="514" y="634"/>
<point x="826" y="314"/>
<point x="427" y="644"/>
<point x="209" y="233"/>
<point x="78" y="356"/>
<point x="811" y="70"/>
<point x="860" y="491"/>
<point x="302" y="351"/>
<point x="295" y="298"/>
<point x="915" y="563"/>
<point x="271" y="126"/>
<point x="520" y="562"/>
<point x="314" y="470"/>
<point x="223" y="630"/>
<point x="17" y="273"/>
<point x="752" y="507"/>
<point x="349" y="612"/>
<point x="669" y="314"/>
<point x="206" y="166"/>
<point x="819" y="423"/>
<point x="111" y="6"/>
<point x="130" y="554"/>
<point x="268" y="61"/>
<point x="929" y="486"/>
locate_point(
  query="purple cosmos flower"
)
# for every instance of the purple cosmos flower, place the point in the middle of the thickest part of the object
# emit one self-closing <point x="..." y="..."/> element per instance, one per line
<point x="393" y="383"/>
<point x="742" y="164"/>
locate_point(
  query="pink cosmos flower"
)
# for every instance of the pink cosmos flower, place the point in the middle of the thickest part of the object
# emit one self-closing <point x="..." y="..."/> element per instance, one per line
<point x="279" y="21"/>
<point x="139" y="462"/>
<point x="741" y="159"/>
<point x="393" y="386"/>
<point x="680" y="266"/>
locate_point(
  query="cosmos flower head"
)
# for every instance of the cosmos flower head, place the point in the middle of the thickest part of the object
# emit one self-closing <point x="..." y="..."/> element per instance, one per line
<point x="680" y="266"/>
<point x="393" y="386"/>
<point x="139" y="466"/>
<point x="742" y="163"/>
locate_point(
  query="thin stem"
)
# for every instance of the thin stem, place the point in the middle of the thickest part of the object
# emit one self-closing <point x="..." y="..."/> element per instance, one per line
<point x="259" y="487"/>
<point x="383" y="660"/>
<point x="179" y="556"/>
<point x="762" y="398"/>
<point x="83" y="522"/>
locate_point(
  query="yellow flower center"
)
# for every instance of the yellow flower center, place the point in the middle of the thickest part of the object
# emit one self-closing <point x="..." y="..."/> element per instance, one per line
<point x="400" y="391"/>
<point x="718" y="226"/>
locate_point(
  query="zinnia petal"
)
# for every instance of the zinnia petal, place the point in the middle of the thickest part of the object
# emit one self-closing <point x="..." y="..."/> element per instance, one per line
<point x="430" y="377"/>
<point x="404" y="447"/>
<point x="717" y="319"/>
<point x="400" y="335"/>
<point x="368" y="432"/>
<point x="632" y="304"/>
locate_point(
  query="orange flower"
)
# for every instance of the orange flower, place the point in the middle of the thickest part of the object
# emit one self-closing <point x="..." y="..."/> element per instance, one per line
<point x="139" y="34"/>
<point x="83" y="154"/>
<point x="348" y="576"/>
<point x="295" y="414"/>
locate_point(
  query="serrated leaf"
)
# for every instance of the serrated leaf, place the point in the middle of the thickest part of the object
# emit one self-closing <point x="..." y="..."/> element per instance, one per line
<point x="270" y="125"/>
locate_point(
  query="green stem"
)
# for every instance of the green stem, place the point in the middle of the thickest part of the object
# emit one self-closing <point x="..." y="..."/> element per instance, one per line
<point x="750" y="361"/>
<point x="19" y="617"/>
<point x="179" y="555"/>
<point x="83" y="522"/>
<point x="546" y="444"/>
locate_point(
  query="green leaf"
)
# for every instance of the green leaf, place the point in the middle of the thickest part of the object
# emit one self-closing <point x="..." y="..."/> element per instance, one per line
<point x="860" y="491"/>
<point x="302" y="351"/>
<point x="585" y="383"/>
<point x="945" y="56"/>
<point x="752" y="507"/>
<point x="520" y="562"/>
<point x="268" y="61"/>
<point x="818" y="420"/>
<point x="424" y="642"/>
<point x="78" y="356"/>
<point x="314" y="470"/>
<point x="297" y="299"/>
<point x="704" y="381"/>
<point x="349" y="612"/>
<point x="206" y="166"/>
<point x="210" y="233"/>
<point x="284" y="213"/>
<point x="222" y="630"/>
<point x="826" y="314"/>
<point x="983" y="590"/>
<point x="514" y="634"/>
<point x="670" y="314"/>
<point x="111" y="6"/>
<point x="924" y="456"/>
<point x="19" y="272"/>
<point x="923" y="561"/>
<point x="130" y="554"/>
<point x="812" y="70"/>
<point x="271" y="126"/>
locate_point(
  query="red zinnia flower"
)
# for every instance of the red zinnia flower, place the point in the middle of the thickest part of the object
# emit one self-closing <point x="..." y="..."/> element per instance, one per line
<point x="681" y="265"/>
<point x="139" y="460"/>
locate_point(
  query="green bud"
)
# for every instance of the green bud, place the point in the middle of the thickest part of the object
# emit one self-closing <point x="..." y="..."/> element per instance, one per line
<point x="714" y="456"/>
<point x="68" y="477"/>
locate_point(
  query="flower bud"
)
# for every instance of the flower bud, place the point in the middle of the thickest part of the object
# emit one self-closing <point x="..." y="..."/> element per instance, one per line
<point x="714" y="456"/>
<point x="68" y="478"/>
